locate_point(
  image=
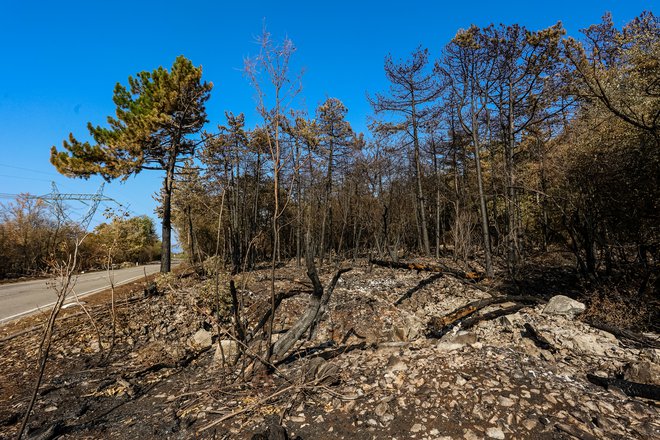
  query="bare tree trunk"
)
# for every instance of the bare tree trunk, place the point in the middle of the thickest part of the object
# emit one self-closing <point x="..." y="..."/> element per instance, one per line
<point x="457" y="206"/>
<point x="513" y="245"/>
<point x="344" y="223"/>
<point x="191" y="236"/>
<point x="482" y="198"/>
<point x="255" y="207"/>
<point x="166" y="231"/>
<point x="420" y="191"/>
<point x="299" y="201"/>
<point x="436" y="176"/>
<point x="276" y="234"/>
<point x="544" y="198"/>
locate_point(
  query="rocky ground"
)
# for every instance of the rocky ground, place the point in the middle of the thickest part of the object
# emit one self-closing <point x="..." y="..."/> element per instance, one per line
<point x="369" y="372"/>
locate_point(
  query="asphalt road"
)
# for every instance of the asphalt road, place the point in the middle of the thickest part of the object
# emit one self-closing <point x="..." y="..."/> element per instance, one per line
<point x="18" y="299"/>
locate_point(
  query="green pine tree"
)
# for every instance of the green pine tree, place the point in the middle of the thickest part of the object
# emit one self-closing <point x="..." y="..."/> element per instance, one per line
<point x="156" y="119"/>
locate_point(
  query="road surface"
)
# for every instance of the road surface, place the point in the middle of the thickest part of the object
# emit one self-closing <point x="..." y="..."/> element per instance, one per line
<point x="18" y="299"/>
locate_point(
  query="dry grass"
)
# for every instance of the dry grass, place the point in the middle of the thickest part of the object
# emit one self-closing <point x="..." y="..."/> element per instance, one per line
<point x="623" y="309"/>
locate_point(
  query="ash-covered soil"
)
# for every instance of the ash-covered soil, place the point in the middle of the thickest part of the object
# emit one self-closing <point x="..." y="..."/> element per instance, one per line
<point x="368" y="371"/>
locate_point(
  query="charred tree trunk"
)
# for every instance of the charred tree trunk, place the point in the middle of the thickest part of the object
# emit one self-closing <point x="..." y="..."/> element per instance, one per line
<point x="166" y="231"/>
<point x="426" y="247"/>
<point x="482" y="197"/>
<point x="317" y="301"/>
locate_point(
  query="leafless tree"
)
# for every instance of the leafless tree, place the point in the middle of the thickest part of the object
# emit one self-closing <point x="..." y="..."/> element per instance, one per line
<point x="412" y="90"/>
<point x="270" y="75"/>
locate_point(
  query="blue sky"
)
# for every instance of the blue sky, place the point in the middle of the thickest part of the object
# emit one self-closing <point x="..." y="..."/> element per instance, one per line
<point x="62" y="59"/>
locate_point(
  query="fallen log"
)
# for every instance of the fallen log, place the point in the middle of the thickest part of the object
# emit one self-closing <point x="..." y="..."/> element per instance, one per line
<point x="626" y="335"/>
<point x="472" y="321"/>
<point x="437" y="327"/>
<point x="419" y="267"/>
<point x="632" y="389"/>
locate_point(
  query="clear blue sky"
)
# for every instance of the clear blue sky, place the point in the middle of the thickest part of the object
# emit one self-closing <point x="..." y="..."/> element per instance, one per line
<point x="61" y="60"/>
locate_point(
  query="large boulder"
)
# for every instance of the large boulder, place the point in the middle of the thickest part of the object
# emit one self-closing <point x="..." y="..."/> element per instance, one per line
<point x="563" y="306"/>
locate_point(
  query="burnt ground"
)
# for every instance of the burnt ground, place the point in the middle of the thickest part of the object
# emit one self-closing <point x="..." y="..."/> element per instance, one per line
<point x="368" y="372"/>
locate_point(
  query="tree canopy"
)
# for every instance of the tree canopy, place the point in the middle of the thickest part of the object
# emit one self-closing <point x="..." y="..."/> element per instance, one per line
<point x="157" y="116"/>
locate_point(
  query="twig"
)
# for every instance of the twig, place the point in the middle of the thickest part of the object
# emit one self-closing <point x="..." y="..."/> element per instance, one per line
<point x="247" y="408"/>
<point x="66" y="284"/>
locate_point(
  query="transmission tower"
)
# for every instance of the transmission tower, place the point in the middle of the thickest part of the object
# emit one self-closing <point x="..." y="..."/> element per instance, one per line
<point x="56" y="199"/>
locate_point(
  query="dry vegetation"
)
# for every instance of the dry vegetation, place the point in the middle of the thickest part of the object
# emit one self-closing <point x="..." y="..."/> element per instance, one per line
<point x="368" y="370"/>
<point x="388" y="286"/>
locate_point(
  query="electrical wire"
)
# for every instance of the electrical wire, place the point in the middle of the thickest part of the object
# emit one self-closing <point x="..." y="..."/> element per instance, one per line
<point x="27" y="169"/>
<point x="24" y="178"/>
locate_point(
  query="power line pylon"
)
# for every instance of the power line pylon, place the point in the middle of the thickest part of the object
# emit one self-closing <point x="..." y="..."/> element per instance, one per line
<point x="56" y="199"/>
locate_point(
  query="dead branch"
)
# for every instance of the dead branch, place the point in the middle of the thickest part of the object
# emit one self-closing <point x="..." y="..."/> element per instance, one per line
<point x="437" y="327"/>
<point x="23" y="332"/>
<point x="471" y="322"/>
<point x="316" y="382"/>
<point x="348" y="334"/>
<point x="92" y="321"/>
<point x="63" y="286"/>
<point x="181" y="363"/>
<point x="632" y="389"/>
<point x="472" y="276"/>
<point x="331" y="354"/>
<point x="626" y="335"/>
<point x="318" y="299"/>
<point x="540" y="341"/>
<point x="255" y="358"/>
<point x="323" y="351"/>
<point x="96" y="310"/>
<point x="246" y="408"/>
<point x="278" y="300"/>
<point x="421" y="285"/>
